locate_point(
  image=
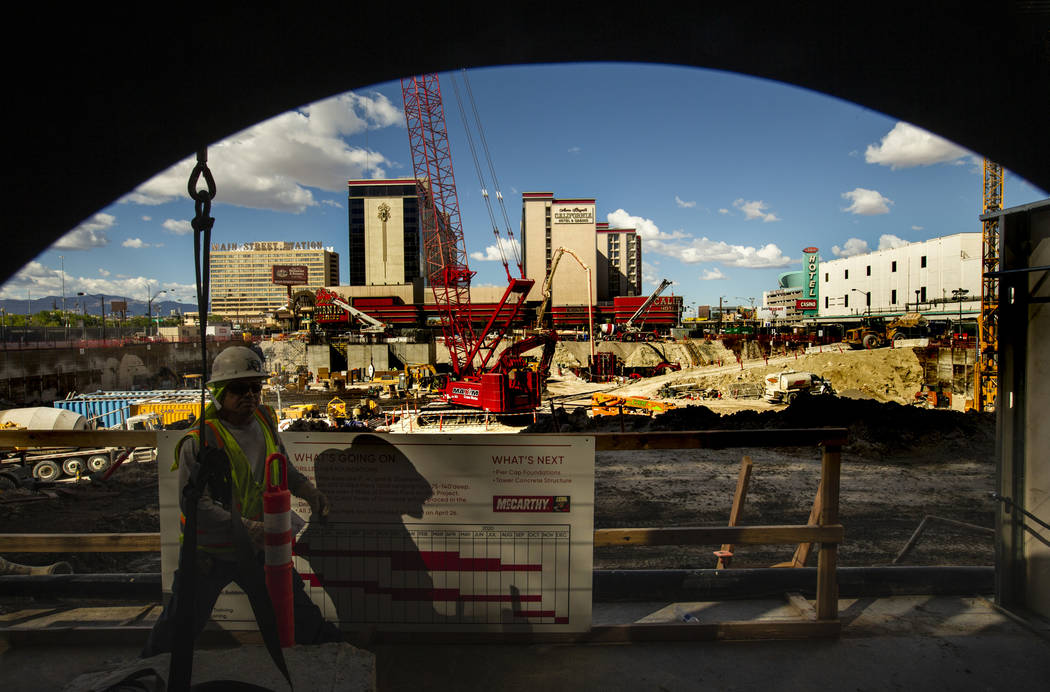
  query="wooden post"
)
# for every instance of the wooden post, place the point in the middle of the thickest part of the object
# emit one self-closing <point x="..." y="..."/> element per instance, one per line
<point x="803" y="550"/>
<point x="742" y="481"/>
<point x="827" y="559"/>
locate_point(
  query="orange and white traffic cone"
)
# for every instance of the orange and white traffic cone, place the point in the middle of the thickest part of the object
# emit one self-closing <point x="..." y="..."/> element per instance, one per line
<point x="277" y="525"/>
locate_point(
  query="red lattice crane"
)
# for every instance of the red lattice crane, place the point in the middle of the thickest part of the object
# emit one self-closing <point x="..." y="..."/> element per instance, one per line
<point x="507" y="386"/>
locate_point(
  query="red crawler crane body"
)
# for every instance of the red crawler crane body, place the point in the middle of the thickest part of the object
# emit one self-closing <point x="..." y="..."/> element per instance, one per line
<point x="508" y="386"/>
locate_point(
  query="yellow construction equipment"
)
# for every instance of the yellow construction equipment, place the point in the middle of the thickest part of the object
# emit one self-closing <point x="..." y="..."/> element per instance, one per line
<point x="336" y="408"/>
<point x="422" y="376"/>
<point x="986" y="377"/>
<point x="603" y="404"/>
<point x="300" y="411"/>
<point x="366" y="408"/>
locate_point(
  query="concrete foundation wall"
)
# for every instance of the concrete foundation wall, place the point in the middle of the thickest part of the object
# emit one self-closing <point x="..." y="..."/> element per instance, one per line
<point x="31" y="376"/>
<point x="363" y="355"/>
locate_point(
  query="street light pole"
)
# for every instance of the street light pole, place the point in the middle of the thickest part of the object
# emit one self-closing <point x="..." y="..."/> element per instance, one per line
<point x="867" y="300"/>
<point x="149" y="308"/>
<point x="65" y="320"/>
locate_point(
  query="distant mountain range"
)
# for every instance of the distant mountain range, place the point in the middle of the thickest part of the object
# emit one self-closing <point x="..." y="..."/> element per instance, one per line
<point x="75" y="303"/>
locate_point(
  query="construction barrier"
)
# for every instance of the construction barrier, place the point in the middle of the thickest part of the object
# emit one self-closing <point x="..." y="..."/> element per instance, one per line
<point x="277" y="525"/>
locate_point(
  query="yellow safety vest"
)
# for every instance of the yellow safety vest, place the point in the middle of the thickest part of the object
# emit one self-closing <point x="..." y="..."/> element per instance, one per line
<point x="246" y="491"/>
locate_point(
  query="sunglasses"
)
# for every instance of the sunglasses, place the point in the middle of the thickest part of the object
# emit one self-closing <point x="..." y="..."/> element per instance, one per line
<point x="242" y="388"/>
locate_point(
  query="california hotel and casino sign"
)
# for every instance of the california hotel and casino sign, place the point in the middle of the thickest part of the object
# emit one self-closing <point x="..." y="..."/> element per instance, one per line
<point x="275" y="246"/>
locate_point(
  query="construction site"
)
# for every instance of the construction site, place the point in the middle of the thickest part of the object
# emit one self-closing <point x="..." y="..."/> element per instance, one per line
<point x="513" y="487"/>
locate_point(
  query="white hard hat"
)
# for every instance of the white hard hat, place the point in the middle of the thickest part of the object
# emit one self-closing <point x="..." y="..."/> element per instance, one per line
<point x="236" y="363"/>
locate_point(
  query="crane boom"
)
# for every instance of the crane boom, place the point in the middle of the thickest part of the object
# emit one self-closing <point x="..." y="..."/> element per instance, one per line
<point x="374" y="325"/>
<point x="644" y="307"/>
<point x="545" y="291"/>
<point x="444" y="251"/>
<point x="446" y="269"/>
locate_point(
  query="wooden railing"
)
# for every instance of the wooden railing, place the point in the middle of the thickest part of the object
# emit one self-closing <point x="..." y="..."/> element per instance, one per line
<point x="827" y="531"/>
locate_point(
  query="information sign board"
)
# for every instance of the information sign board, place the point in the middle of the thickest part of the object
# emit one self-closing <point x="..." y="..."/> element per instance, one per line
<point x="433" y="532"/>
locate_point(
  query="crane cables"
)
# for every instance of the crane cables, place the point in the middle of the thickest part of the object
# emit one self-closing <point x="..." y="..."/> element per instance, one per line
<point x="500" y="243"/>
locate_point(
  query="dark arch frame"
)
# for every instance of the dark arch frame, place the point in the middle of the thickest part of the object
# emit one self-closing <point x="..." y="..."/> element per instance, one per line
<point x="105" y="98"/>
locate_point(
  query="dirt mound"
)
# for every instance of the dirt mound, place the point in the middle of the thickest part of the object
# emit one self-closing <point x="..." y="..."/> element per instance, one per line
<point x="881" y="374"/>
<point x="875" y="428"/>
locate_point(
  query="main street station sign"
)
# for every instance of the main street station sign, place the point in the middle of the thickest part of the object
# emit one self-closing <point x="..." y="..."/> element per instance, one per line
<point x="275" y="246"/>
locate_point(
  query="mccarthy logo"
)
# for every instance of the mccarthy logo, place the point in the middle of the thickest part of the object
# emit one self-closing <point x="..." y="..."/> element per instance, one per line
<point x="526" y="503"/>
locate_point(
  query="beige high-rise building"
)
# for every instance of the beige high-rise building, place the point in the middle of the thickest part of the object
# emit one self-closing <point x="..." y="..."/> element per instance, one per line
<point x="620" y="262"/>
<point x="384" y="232"/>
<point x="548" y="224"/>
<point x="614" y="255"/>
<point x="242" y="285"/>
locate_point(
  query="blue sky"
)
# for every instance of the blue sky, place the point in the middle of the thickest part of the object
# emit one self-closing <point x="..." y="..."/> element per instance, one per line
<point x="726" y="177"/>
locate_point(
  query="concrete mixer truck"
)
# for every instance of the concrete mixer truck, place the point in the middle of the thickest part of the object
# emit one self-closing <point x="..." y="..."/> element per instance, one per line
<point x="49" y="463"/>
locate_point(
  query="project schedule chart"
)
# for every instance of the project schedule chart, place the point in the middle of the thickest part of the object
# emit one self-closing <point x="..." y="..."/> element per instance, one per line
<point x="442" y="573"/>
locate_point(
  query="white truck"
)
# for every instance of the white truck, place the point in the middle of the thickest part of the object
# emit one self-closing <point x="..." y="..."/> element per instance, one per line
<point x="51" y="463"/>
<point x="785" y="387"/>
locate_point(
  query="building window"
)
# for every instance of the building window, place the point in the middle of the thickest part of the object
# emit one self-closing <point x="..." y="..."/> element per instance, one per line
<point x="922" y="294"/>
<point x="868" y="271"/>
<point x="825" y="277"/>
<point x="846" y="276"/>
<point x="893" y="266"/>
<point x="893" y="297"/>
<point x="922" y="264"/>
<point x="825" y="301"/>
<point x="845" y="301"/>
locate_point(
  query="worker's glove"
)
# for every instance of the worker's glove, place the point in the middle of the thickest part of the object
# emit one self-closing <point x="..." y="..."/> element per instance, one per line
<point x="256" y="533"/>
<point x="319" y="506"/>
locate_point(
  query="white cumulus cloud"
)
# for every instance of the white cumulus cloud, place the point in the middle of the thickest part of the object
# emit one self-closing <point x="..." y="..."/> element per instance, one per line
<point x="906" y="146"/>
<point x="723" y="210"/>
<point x="41" y="280"/>
<point x="178" y="226"/>
<point x="866" y="202"/>
<point x="916" y="228"/>
<point x="712" y="275"/>
<point x="274" y="164"/>
<point x="682" y="203"/>
<point x="135" y="243"/>
<point x="89" y="234"/>
<point x="889" y="242"/>
<point x="755" y="209"/>
<point x="510" y="250"/>
<point x="853" y="246"/>
<point x="645" y="228"/>
<point x="691" y="250"/>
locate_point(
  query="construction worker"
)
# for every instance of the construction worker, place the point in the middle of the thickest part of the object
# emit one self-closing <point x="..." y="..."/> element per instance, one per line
<point x="245" y="433"/>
